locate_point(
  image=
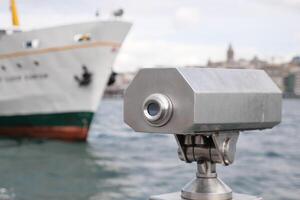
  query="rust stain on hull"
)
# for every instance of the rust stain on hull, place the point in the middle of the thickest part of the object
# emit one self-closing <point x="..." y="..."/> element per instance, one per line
<point x="67" y="133"/>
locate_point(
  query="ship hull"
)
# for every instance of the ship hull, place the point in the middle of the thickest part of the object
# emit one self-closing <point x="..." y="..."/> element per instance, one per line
<point x="63" y="126"/>
<point x="65" y="133"/>
<point x="52" y="80"/>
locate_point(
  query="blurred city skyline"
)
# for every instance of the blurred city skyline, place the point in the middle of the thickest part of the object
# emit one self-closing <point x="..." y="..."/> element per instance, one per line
<point x="174" y="32"/>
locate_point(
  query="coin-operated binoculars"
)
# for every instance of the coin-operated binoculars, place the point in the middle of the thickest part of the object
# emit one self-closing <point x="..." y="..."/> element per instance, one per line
<point x="205" y="109"/>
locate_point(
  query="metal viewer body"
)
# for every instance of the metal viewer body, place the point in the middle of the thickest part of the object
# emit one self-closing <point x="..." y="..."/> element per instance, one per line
<point x="205" y="109"/>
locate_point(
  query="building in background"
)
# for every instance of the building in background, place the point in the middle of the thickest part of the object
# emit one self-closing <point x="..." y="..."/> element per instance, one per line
<point x="285" y="75"/>
<point x="292" y="80"/>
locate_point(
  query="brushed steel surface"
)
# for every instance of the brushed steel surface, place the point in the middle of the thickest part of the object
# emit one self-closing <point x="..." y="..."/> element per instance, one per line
<point x="206" y="189"/>
<point x="205" y="99"/>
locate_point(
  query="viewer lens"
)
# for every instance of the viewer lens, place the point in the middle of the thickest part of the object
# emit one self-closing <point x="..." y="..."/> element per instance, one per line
<point x="153" y="109"/>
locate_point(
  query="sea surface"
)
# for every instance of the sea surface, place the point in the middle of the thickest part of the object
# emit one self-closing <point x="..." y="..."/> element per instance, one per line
<point x="118" y="164"/>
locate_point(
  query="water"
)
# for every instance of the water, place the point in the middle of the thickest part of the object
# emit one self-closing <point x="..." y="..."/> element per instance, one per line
<point x="118" y="164"/>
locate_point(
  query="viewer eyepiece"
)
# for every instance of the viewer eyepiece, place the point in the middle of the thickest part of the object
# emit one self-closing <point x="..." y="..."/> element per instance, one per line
<point x="157" y="109"/>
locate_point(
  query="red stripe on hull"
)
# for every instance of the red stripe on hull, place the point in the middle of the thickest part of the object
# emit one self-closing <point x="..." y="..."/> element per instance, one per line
<point x="68" y="133"/>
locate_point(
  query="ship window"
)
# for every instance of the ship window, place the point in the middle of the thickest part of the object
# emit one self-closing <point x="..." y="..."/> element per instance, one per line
<point x="82" y="37"/>
<point x="19" y="65"/>
<point x="36" y="63"/>
<point x="30" y="44"/>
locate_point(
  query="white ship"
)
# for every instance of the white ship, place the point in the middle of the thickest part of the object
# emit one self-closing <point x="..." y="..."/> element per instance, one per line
<point x="52" y="79"/>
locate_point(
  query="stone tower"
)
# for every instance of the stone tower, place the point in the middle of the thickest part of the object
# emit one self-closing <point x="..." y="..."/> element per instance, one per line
<point x="230" y="54"/>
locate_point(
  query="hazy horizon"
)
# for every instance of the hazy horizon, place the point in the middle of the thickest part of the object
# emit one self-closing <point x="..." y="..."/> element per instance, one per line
<point x="173" y="32"/>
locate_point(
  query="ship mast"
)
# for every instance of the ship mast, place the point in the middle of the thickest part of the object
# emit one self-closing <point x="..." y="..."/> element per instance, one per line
<point x="14" y="13"/>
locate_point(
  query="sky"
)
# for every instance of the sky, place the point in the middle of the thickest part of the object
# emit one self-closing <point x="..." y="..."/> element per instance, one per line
<point x="180" y="32"/>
